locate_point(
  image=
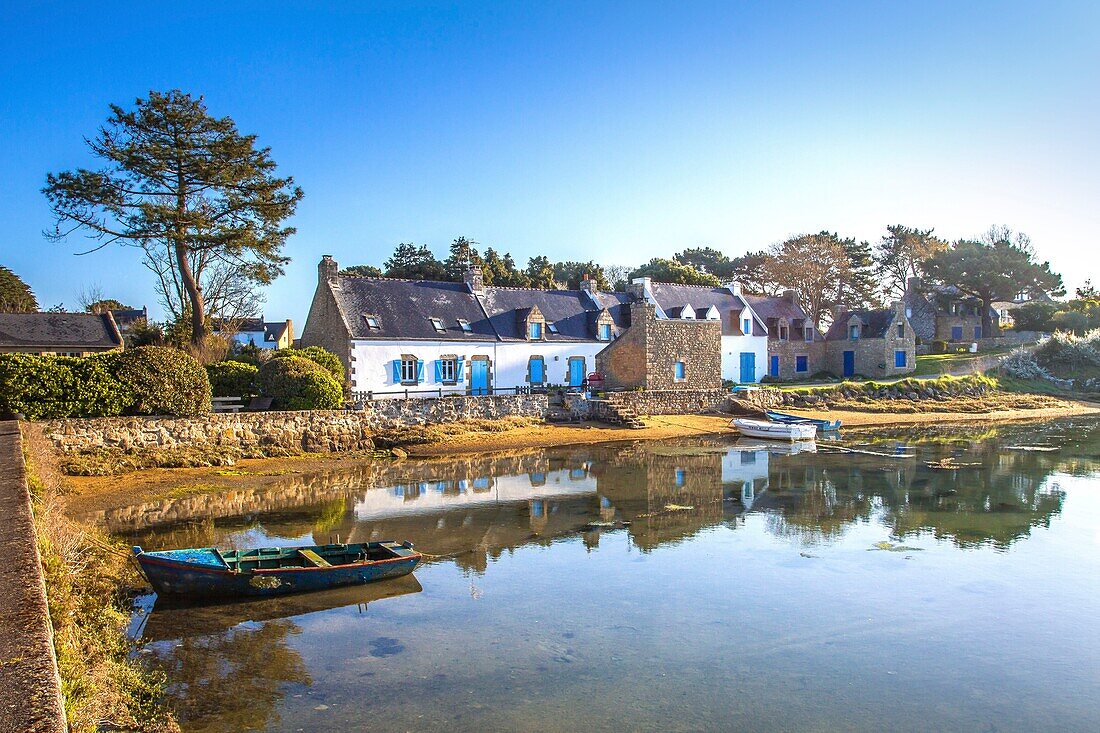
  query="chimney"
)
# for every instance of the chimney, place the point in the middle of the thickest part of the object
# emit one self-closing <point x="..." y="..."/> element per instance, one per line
<point x="588" y="285"/>
<point x="912" y="284"/>
<point x="839" y="311"/>
<point x="327" y="269"/>
<point x="734" y="287"/>
<point x="638" y="287"/>
<point x="899" y="308"/>
<point x="791" y="296"/>
<point x="641" y="311"/>
<point x="474" y="279"/>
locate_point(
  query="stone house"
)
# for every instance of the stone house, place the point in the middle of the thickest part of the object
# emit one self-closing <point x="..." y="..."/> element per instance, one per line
<point x="61" y="334"/>
<point x="871" y="343"/>
<point x="125" y="318"/>
<point x="796" y="349"/>
<point x="943" y="313"/>
<point x="663" y="353"/>
<point x="257" y="332"/>
<point x="427" y="337"/>
<point x="744" y="333"/>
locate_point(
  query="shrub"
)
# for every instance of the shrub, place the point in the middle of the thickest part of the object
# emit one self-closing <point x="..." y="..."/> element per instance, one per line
<point x="163" y="381"/>
<point x="46" y="387"/>
<point x="1064" y="349"/>
<point x="232" y="378"/>
<point x="295" y="383"/>
<point x="939" y="347"/>
<point x="327" y="360"/>
<point x="1021" y="364"/>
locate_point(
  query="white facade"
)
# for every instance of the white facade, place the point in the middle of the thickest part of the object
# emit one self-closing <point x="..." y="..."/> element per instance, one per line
<point x="372" y="363"/>
<point x="253" y="338"/>
<point x="732" y="349"/>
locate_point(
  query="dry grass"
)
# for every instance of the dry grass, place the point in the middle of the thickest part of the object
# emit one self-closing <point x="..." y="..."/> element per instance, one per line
<point x="992" y="402"/>
<point x="87" y="582"/>
<point x="113" y="461"/>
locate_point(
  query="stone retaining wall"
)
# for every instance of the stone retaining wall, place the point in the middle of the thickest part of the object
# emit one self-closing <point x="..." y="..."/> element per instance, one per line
<point x="312" y="431"/>
<point x="30" y="688"/>
<point x="672" y="401"/>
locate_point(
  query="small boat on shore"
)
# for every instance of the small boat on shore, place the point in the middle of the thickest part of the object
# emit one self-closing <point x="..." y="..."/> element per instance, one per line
<point x="209" y="573"/>
<point x="775" y="430"/>
<point x="824" y="426"/>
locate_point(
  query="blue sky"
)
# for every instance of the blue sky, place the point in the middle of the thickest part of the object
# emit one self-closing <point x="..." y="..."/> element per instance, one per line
<point x="607" y="131"/>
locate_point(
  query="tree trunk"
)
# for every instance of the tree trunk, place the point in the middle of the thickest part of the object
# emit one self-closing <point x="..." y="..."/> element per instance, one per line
<point x="194" y="294"/>
<point x="987" y="320"/>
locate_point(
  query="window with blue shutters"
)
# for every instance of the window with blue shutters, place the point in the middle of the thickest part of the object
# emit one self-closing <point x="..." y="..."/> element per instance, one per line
<point x="746" y="327"/>
<point x="605" y="332"/>
<point x="977" y="332"/>
<point x="801" y="364"/>
<point x="534" y="331"/>
<point x="408" y="370"/>
<point x="899" y="359"/>
<point x="680" y="371"/>
<point x="446" y="370"/>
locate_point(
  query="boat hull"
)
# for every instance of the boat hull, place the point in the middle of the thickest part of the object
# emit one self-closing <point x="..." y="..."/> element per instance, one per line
<point x="824" y="426"/>
<point x="182" y="579"/>
<point x="776" y="431"/>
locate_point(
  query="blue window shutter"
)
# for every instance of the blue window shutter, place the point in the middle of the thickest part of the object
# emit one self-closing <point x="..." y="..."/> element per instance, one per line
<point x="396" y="371"/>
<point x="419" y="371"/>
<point x="459" y="364"/>
<point x="899" y="358"/>
<point x="438" y="370"/>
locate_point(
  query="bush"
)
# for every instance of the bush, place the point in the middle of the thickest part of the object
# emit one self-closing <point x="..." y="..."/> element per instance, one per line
<point x="939" y="347"/>
<point x="327" y="360"/>
<point x="1066" y="350"/>
<point x="1021" y="364"/>
<point x="296" y="383"/>
<point x="163" y="381"/>
<point x="232" y="378"/>
<point x="47" y="387"/>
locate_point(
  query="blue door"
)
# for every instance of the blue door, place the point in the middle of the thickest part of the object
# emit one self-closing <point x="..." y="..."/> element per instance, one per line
<point x="748" y="367"/>
<point x="956" y="333"/>
<point x="849" y="363"/>
<point x="576" y="372"/>
<point x="479" y="376"/>
<point x="774" y="371"/>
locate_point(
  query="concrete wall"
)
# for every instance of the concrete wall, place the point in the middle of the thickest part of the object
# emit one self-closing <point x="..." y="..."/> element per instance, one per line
<point x="307" y="430"/>
<point x="30" y="688"/>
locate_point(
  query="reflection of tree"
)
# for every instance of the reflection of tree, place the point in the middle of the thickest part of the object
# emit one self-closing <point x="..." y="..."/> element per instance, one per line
<point x="231" y="681"/>
<point x="820" y="511"/>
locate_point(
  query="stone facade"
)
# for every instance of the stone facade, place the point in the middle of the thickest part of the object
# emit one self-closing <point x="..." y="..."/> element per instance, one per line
<point x="326" y="326"/>
<point x="664" y="402"/>
<point x="313" y="431"/>
<point x="875" y="348"/>
<point x="663" y="354"/>
<point x="789" y="352"/>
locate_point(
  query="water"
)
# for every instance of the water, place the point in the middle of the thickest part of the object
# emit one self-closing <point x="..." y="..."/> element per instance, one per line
<point x="752" y="590"/>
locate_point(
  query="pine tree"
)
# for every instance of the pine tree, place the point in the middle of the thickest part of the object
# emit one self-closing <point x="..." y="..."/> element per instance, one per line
<point x="15" y="295"/>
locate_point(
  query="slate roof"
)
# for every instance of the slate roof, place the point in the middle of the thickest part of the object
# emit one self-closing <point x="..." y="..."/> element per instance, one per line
<point x="774" y="307"/>
<point x="673" y="296"/>
<point x="404" y="309"/>
<point x="876" y="324"/>
<point x="125" y="317"/>
<point x="59" y="331"/>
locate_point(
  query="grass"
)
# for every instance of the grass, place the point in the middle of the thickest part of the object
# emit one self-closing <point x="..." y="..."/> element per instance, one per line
<point x="115" y="461"/>
<point x="88" y="582"/>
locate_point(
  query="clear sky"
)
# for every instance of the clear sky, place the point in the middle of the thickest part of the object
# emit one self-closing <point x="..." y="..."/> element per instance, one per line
<point x="607" y="131"/>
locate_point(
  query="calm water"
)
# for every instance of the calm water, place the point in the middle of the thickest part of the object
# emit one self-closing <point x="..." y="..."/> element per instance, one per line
<point x="750" y="591"/>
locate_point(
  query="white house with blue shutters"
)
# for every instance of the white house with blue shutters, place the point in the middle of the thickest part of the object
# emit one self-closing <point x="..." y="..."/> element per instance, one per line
<point x="421" y="337"/>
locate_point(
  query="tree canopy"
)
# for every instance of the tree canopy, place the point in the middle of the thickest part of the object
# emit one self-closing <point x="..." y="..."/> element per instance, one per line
<point x="414" y="262"/>
<point x="362" y="271"/>
<point x="992" y="271"/>
<point x="673" y="271"/>
<point x="816" y="265"/>
<point x="15" y="295"/>
<point x="902" y="253"/>
<point x="200" y="199"/>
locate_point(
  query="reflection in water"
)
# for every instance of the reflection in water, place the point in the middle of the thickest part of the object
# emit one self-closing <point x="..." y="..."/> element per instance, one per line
<point x="663" y="532"/>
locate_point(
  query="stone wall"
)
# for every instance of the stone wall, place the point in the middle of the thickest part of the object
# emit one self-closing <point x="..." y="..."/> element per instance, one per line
<point x="672" y="401"/>
<point x="874" y="357"/>
<point x="314" y="431"/>
<point x="647" y="353"/>
<point x="788" y="351"/>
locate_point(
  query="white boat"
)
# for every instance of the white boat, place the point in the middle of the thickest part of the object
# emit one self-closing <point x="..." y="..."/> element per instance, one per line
<point x="775" y="430"/>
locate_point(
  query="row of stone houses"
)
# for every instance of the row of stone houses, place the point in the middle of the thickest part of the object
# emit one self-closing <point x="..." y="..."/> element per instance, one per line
<point x="400" y="337"/>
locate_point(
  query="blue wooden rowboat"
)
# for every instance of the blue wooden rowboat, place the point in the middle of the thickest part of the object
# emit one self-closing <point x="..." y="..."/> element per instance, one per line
<point x="209" y="573"/>
<point x="822" y="425"/>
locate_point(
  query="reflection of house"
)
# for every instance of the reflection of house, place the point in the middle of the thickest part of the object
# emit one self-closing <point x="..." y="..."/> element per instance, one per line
<point x="943" y="313"/>
<point x="459" y="338"/>
<point x="871" y="343"/>
<point x="61" y="334"/>
<point x="257" y="332"/>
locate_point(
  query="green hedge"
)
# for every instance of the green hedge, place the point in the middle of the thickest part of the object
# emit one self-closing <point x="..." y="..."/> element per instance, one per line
<point x="164" y="381"/>
<point x="232" y="378"/>
<point x="327" y="360"/>
<point x="46" y="387"/>
<point x="150" y="380"/>
<point x="296" y="383"/>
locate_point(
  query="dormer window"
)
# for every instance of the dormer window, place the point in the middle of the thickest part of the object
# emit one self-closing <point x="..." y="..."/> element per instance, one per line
<point x="373" y="323"/>
<point x="534" y="331"/>
<point x="437" y="324"/>
<point x="853" y="332"/>
<point x="809" y="335"/>
<point x="605" y="332"/>
<point x="464" y="325"/>
<point x="746" y="327"/>
<point x="552" y="328"/>
<point x="784" y="332"/>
